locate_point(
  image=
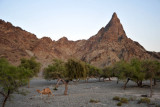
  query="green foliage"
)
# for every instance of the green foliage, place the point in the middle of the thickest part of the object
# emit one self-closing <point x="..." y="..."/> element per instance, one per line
<point x="124" y="100"/>
<point x="31" y="65"/>
<point x="11" y="78"/>
<point x="55" y="71"/>
<point x="144" y="100"/>
<point x="72" y="69"/>
<point x="137" y="73"/>
<point x="121" y="100"/>
<point x="151" y="68"/>
<point x="75" y="69"/>
<point x="116" y="98"/>
<point x="93" y="71"/>
<point x="137" y="70"/>
<point x="94" y="101"/>
<point x="107" y="72"/>
<point x="122" y="70"/>
<point x="119" y="104"/>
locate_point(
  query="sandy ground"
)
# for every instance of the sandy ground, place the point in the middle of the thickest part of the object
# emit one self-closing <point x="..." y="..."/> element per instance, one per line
<point x="80" y="94"/>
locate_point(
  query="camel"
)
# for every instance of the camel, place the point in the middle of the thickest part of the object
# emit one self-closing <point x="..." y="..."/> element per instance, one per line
<point x="45" y="91"/>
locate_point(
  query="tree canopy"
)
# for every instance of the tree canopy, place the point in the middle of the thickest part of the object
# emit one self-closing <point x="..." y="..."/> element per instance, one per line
<point x="11" y="78"/>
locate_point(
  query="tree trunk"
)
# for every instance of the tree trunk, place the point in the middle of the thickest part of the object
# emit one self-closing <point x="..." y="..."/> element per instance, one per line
<point x="109" y="78"/>
<point x="66" y="87"/>
<point x="4" y="102"/>
<point x="155" y="82"/>
<point x="139" y="83"/>
<point x="126" y="83"/>
<point x="151" y="87"/>
<point x="58" y="83"/>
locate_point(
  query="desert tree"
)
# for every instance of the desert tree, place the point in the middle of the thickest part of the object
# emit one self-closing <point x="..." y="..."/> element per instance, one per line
<point x="65" y="72"/>
<point x="120" y="70"/>
<point x="56" y="70"/>
<point x="138" y="74"/>
<point x="32" y="65"/>
<point x="151" y="69"/>
<point x="11" y="78"/>
<point x="93" y="72"/>
<point x="124" y="71"/>
<point x="75" y="69"/>
<point x="107" y="72"/>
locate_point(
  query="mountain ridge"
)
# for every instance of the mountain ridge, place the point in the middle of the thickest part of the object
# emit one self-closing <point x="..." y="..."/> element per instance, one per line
<point x="108" y="46"/>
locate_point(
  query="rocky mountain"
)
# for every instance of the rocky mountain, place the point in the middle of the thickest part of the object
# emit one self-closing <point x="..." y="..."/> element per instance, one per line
<point x="108" y="46"/>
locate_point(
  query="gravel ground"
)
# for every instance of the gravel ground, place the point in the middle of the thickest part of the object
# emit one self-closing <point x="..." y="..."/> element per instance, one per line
<point x="80" y="94"/>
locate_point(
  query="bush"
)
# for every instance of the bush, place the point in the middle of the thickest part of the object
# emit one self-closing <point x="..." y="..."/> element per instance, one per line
<point x="144" y="100"/>
<point x="124" y="100"/>
<point x="116" y="98"/>
<point x="94" y="101"/>
<point x="119" y="104"/>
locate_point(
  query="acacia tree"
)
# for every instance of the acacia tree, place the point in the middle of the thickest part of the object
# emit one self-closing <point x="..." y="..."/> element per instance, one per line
<point x="75" y="69"/>
<point x="55" y="71"/>
<point x="138" y="74"/>
<point x="11" y="78"/>
<point x="151" y="69"/>
<point x="31" y="65"/>
<point x="93" y="72"/>
<point x="130" y="70"/>
<point x="120" y="70"/>
<point x="107" y="72"/>
<point x="138" y="71"/>
<point x="65" y="72"/>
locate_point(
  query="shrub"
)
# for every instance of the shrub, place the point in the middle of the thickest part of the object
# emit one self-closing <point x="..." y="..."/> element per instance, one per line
<point x="124" y="100"/>
<point x="116" y="98"/>
<point x="94" y="101"/>
<point x="144" y="100"/>
<point x="119" y="104"/>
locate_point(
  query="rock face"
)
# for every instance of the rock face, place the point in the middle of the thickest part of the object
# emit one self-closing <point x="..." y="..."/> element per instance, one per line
<point x="108" y="46"/>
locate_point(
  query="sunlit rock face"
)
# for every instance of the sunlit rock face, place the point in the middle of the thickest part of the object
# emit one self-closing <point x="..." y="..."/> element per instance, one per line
<point x="108" y="46"/>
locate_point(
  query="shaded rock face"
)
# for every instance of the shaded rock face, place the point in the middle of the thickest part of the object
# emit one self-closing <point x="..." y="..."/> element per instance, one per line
<point x="108" y="46"/>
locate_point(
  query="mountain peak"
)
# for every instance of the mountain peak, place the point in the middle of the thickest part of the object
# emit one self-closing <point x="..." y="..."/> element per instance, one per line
<point x="114" y="15"/>
<point x="114" y="26"/>
<point x="113" y="22"/>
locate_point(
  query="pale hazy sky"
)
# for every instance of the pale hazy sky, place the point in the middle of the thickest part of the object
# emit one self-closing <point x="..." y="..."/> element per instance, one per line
<point x="81" y="19"/>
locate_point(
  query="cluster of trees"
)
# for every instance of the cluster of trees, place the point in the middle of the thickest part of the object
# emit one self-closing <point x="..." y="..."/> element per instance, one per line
<point x="135" y="70"/>
<point x="73" y="69"/>
<point x="13" y="77"/>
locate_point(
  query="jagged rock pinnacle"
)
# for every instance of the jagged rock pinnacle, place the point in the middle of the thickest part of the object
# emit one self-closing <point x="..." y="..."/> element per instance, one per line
<point x="115" y="26"/>
<point x="114" y="15"/>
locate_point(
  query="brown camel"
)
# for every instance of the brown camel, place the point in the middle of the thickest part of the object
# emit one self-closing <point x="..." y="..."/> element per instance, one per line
<point x="45" y="91"/>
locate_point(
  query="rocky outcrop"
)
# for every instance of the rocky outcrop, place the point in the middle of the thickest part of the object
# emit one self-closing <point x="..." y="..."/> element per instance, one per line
<point x="108" y="46"/>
